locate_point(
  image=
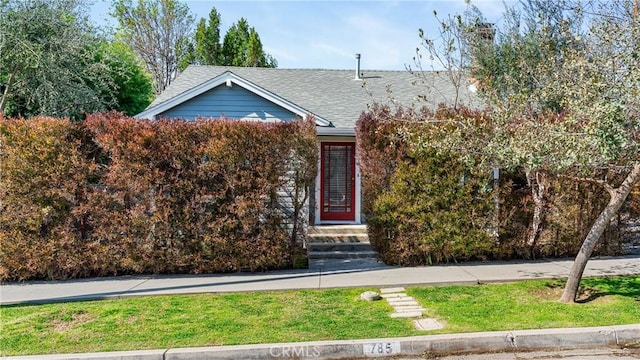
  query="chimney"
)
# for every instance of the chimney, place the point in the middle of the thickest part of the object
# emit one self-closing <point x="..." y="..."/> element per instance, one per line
<point x="486" y="31"/>
<point x="358" y="67"/>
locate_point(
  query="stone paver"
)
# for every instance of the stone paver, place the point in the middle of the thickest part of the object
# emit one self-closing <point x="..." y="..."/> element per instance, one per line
<point x="403" y="302"/>
<point x="404" y="306"/>
<point x="406" y="314"/>
<point x="427" y="324"/>
<point x="399" y="298"/>
<point x="397" y="295"/>
<point x="392" y="290"/>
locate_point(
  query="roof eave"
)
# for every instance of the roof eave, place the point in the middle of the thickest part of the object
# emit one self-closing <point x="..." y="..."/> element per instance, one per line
<point x="228" y="78"/>
<point x="334" y="131"/>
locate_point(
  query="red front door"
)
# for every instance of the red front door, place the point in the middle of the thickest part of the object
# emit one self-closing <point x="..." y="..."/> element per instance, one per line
<point x="338" y="181"/>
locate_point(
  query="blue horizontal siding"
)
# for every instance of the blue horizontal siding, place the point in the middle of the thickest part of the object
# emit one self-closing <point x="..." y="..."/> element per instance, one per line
<point x="231" y="102"/>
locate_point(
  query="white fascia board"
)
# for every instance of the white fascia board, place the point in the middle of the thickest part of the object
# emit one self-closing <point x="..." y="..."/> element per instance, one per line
<point x="227" y="78"/>
<point x="333" y="131"/>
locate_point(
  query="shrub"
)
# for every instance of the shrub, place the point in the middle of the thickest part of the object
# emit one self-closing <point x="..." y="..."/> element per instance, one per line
<point x="116" y="195"/>
<point x="203" y="196"/>
<point x="426" y="205"/>
<point x="422" y="206"/>
<point x="45" y="224"/>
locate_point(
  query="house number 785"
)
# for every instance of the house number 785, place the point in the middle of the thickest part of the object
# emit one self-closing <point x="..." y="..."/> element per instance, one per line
<point x="381" y="349"/>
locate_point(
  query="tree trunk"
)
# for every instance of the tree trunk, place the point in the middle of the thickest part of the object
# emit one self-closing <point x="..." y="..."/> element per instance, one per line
<point x="538" y="194"/>
<point x="618" y="196"/>
<point x="7" y="89"/>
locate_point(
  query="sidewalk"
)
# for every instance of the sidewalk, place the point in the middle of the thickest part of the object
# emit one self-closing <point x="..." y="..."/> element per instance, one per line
<point x="364" y="274"/>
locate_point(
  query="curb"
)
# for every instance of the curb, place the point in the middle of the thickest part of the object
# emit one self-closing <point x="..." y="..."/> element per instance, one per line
<point x="482" y="342"/>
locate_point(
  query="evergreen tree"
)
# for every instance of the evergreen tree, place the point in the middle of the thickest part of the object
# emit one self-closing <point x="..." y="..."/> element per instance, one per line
<point x="208" y="40"/>
<point x="242" y="47"/>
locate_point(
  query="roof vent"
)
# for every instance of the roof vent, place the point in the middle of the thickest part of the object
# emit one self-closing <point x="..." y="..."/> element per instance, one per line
<point x="358" y="67"/>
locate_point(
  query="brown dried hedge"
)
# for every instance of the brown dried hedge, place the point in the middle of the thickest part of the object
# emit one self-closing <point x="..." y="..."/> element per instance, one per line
<point x="116" y="195"/>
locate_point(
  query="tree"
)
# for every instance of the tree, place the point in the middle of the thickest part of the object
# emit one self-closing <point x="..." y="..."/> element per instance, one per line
<point x="582" y="91"/>
<point x="47" y="63"/>
<point x="449" y="50"/>
<point x="608" y="97"/>
<point x="563" y="83"/>
<point x="134" y="87"/>
<point x="242" y="47"/>
<point x="204" y="48"/>
<point x="158" y="31"/>
<point x="208" y="49"/>
<point x="525" y="56"/>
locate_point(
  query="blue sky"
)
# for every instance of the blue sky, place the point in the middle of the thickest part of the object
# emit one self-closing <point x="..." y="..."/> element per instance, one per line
<point x="328" y="34"/>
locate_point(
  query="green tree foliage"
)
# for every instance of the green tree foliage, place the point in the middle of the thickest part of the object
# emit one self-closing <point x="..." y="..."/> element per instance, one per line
<point x="524" y="53"/>
<point x="47" y="63"/>
<point x="242" y="47"/>
<point x="208" y="48"/>
<point x="562" y="79"/>
<point x="158" y="31"/>
<point x="204" y="48"/>
<point x="580" y="96"/>
<point x="134" y="87"/>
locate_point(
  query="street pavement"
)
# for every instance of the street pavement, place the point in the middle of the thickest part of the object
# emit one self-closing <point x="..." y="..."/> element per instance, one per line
<point x="331" y="275"/>
<point x="589" y="354"/>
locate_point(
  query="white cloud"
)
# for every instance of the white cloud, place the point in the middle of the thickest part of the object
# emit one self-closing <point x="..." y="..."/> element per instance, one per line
<point x="282" y="54"/>
<point x="384" y="44"/>
<point x="331" y="49"/>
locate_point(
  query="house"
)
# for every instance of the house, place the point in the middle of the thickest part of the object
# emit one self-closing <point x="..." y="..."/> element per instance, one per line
<point x="335" y="98"/>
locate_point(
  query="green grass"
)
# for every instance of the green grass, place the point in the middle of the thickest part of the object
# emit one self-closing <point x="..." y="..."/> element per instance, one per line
<point x="265" y="317"/>
<point x="195" y="320"/>
<point x="532" y="305"/>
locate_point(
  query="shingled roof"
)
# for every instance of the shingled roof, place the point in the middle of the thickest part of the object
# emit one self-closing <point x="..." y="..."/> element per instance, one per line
<point x="334" y="95"/>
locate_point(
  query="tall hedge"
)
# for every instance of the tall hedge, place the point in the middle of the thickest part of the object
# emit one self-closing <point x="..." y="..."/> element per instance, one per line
<point x="424" y="205"/>
<point x="570" y="209"/>
<point x="44" y="215"/>
<point x="137" y="196"/>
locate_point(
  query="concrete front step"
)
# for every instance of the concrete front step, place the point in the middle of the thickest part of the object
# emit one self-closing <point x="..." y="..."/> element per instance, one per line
<point x="346" y="264"/>
<point x="338" y="238"/>
<point x="346" y="246"/>
<point x="338" y="229"/>
<point x="342" y="254"/>
<point x="338" y="242"/>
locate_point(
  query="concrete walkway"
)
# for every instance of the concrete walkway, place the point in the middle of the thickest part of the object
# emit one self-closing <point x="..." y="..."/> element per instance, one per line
<point x="331" y="275"/>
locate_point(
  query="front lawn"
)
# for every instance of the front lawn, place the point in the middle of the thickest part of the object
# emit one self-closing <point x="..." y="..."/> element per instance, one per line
<point x="264" y="317"/>
<point x="532" y="305"/>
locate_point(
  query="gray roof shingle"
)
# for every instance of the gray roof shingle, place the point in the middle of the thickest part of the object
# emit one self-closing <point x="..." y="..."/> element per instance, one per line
<point x="334" y="95"/>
